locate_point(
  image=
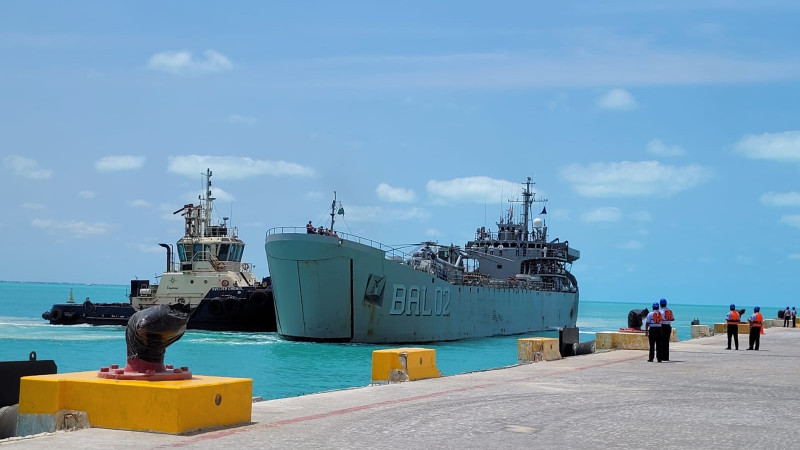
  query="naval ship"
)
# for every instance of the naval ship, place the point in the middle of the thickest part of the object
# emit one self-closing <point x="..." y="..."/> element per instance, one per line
<point x="209" y="281"/>
<point x="337" y="287"/>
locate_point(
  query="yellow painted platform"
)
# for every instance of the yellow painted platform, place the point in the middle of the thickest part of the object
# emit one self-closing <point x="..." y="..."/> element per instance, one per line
<point x="537" y="349"/>
<point x="175" y="407"/>
<point x="744" y="328"/>
<point x="410" y="362"/>
<point x="607" y="340"/>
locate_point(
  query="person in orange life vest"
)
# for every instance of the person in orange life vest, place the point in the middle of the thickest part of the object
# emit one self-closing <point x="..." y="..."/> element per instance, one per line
<point x="666" y="329"/>
<point x="794" y="317"/>
<point x="732" y="319"/>
<point x="787" y="315"/>
<point x="652" y="328"/>
<point x="756" y="321"/>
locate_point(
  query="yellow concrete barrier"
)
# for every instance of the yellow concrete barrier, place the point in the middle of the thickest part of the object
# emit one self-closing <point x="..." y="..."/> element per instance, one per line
<point x="175" y="407"/>
<point x="744" y="328"/>
<point x="537" y="349"/>
<point x="608" y="340"/>
<point x="403" y="364"/>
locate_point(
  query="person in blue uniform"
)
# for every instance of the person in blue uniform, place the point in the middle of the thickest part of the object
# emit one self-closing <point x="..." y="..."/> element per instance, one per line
<point x="732" y="319"/>
<point x="756" y="322"/>
<point x="652" y="328"/>
<point x="666" y="329"/>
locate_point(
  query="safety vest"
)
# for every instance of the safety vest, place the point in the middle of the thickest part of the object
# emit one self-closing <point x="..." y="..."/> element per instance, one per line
<point x="759" y="319"/>
<point x="734" y="318"/>
<point x="668" y="315"/>
<point x="656" y="317"/>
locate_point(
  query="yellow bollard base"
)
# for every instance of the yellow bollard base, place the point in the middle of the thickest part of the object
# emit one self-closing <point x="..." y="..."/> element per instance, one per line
<point x="175" y="407"/>
<point x="403" y="364"/>
<point x="537" y="349"/>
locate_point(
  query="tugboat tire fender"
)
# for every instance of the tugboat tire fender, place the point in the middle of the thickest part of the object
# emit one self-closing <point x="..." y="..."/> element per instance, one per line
<point x="258" y="299"/>
<point x="56" y="315"/>
<point x="232" y="305"/>
<point x="215" y="307"/>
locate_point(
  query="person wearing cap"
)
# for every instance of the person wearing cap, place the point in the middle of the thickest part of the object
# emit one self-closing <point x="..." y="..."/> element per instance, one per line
<point x="756" y="321"/>
<point x="652" y="328"/>
<point x="732" y="319"/>
<point x="666" y="329"/>
<point x="787" y="316"/>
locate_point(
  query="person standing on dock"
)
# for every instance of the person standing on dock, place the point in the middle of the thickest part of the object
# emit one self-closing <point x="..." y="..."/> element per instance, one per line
<point x="794" y="317"/>
<point x="787" y="315"/>
<point x="732" y="319"/>
<point x="652" y="328"/>
<point x="756" y="321"/>
<point x="666" y="329"/>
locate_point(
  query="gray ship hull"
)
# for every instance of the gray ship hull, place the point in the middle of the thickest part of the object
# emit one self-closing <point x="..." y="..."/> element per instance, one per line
<point x="334" y="289"/>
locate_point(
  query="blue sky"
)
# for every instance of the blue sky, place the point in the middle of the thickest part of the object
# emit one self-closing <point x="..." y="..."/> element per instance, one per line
<point x="665" y="136"/>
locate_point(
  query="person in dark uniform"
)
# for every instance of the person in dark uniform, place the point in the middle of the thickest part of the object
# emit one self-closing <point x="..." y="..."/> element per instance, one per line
<point x="652" y="328"/>
<point x="794" y="317"/>
<point x="310" y="228"/>
<point x="732" y="319"/>
<point x="666" y="329"/>
<point x="756" y="322"/>
<point x="787" y="315"/>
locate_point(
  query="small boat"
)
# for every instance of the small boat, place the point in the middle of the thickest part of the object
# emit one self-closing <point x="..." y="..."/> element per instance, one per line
<point x="209" y="281"/>
<point x="333" y="286"/>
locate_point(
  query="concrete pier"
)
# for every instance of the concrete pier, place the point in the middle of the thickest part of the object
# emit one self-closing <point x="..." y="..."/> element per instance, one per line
<point x="704" y="397"/>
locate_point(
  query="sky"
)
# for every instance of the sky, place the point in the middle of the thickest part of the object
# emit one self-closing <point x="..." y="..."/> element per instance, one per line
<point x="664" y="135"/>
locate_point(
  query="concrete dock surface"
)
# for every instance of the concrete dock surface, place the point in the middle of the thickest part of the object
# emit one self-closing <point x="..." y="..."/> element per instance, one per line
<point x="705" y="397"/>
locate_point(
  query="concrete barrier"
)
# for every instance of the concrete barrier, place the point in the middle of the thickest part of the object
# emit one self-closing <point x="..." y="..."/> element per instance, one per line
<point x="744" y="328"/>
<point x="608" y="340"/>
<point x="537" y="349"/>
<point x="175" y="407"/>
<point x="403" y="364"/>
<point x="699" y="331"/>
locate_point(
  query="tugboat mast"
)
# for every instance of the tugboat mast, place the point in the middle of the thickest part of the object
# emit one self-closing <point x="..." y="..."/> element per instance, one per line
<point x="208" y="200"/>
<point x="333" y="209"/>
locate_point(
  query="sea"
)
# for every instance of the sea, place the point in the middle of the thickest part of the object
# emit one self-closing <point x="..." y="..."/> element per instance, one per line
<point x="278" y="368"/>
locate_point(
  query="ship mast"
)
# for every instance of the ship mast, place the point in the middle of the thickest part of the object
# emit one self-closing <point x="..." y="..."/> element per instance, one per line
<point x="208" y="200"/>
<point x="333" y="209"/>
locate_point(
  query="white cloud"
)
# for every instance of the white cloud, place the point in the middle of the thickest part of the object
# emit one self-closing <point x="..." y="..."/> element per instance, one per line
<point x="658" y="148"/>
<point x="73" y="228"/>
<point x="236" y="119"/>
<point x="233" y="167"/>
<point x="783" y="147"/>
<point x="393" y="194"/>
<point x="617" y="99"/>
<point x="472" y="189"/>
<point x="138" y="203"/>
<point x="781" y="198"/>
<point x="184" y="63"/>
<point x="117" y="163"/>
<point x="604" y="214"/>
<point x="632" y="245"/>
<point x="87" y="194"/>
<point x="26" y="167"/>
<point x="792" y="220"/>
<point x="32" y="206"/>
<point x="633" y="179"/>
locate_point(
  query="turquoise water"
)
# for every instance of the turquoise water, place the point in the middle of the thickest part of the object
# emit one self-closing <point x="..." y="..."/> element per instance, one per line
<point x="278" y="368"/>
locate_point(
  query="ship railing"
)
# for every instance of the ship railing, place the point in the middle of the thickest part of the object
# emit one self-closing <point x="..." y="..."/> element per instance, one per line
<point x="392" y="253"/>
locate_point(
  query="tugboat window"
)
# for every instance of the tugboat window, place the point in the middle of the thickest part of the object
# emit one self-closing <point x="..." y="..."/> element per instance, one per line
<point x="223" y="252"/>
<point x="181" y="253"/>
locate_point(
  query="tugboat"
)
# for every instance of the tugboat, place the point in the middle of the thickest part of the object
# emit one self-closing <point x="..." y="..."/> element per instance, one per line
<point x="210" y="282"/>
<point x="336" y="287"/>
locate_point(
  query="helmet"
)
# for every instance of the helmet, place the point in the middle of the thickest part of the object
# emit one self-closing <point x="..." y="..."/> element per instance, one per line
<point x="663" y="302"/>
<point x="655" y="306"/>
<point x="733" y="306"/>
<point x="756" y="309"/>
